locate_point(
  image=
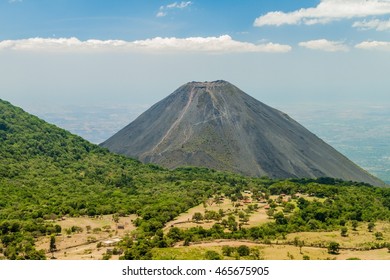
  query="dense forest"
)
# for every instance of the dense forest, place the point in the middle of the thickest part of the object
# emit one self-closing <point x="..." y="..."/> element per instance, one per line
<point x="47" y="173"/>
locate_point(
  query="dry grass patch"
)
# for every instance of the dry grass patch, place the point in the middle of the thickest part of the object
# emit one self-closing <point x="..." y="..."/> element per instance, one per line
<point x="83" y="244"/>
<point x="184" y="220"/>
<point x="360" y="238"/>
<point x="267" y="252"/>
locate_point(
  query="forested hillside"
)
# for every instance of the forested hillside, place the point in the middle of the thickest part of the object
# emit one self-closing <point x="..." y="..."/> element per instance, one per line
<point x="47" y="173"/>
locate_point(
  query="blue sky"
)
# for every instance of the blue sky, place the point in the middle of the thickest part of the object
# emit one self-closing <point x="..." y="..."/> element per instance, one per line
<point x="136" y="20"/>
<point x="133" y="19"/>
<point x="92" y="66"/>
<point x="86" y="51"/>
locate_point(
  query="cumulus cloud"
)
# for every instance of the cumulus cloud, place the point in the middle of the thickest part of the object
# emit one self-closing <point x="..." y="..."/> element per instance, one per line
<point x="374" y="45"/>
<point x="379" y="25"/>
<point x="163" y="11"/>
<point x="326" y="11"/>
<point x="221" y="44"/>
<point x="325" y="45"/>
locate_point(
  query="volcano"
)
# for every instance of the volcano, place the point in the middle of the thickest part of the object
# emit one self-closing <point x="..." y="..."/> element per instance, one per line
<point x="216" y="125"/>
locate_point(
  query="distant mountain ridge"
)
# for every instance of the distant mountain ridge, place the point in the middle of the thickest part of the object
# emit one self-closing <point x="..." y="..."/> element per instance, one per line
<point x="216" y="125"/>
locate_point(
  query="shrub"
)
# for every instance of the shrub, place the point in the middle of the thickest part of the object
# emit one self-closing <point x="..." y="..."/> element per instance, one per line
<point x="227" y="250"/>
<point x="243" y="250"/>
<point x="333" y="248"/>
<point x="212" y="255"/>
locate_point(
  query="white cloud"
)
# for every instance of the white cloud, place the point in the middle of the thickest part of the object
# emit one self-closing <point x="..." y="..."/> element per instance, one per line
<point x="379" y="25"/>
<point x="374" y="45"/>
<point x="221" y="44"/>
<point x="163" y="11"/>
<point x="325" y="45"/>
<point x="181" y="5"/>
<point x="15" y="1"/>
<point x="161" y="14"/>
<point x="327" y="11"/>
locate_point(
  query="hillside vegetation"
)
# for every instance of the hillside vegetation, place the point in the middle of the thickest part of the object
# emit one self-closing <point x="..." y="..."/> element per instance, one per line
<point x="47" y="173"/>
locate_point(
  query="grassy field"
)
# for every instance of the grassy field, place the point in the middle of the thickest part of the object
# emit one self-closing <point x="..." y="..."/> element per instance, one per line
<point x="267" y="252"/>
<point x="185" y="221"/>
<point x="358" y="241"/>
<point x="83" y="244"/>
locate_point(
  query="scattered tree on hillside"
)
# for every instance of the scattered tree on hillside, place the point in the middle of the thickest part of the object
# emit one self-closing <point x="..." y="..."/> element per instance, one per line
<point x="227" y="250"/>
<point x="197" y="217"/>
<point x="379" y="235"/>
<point x="299" y="243"/>
<point x="371" y="226"/>
<point x="333" y="248"/>
<point x="212" y="255"/>
<point x="344" y="231"/>
<point x="53" y="246"/>
<point x="355" y="224"/>
<point x="243" y="250"/>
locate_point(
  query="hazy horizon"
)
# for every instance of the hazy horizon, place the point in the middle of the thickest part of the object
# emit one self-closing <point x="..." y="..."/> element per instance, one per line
<point x="114" y="60"/>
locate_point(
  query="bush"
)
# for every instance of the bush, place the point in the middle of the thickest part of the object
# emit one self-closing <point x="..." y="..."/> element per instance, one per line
<point x="333" y="248"/>
<point x="344" y="231"/>
<point x="378" y="235"/>
<point x="212" y="255"/>
<point x="227" y="250"/>
<point x="243" y="250"/>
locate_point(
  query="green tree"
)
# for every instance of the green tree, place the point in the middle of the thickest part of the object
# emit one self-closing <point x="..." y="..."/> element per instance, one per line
<point x="232" y="224"/>
<point x="333" y="248"/>
<point x="256" y="254"/>
<point x="197" y="217"/>
<point x="280" y="219"/>
<point x="379" y="235"/>
<point x="243" y="250"/>
<point x="355" y="224"/>
<point x="299" y="243"/>
<point x="370" y="226"/>
<point x="344" y="231"/>
<point x="212" y="255"/>
<point x="289" y="207"/>
<point x="270" y="212"/>
<point x="227" y="250"/>
<point x="53" y="246"/>
<point x="175" y="234"/>
<point x="58" y="228"/>
<point x="241" y="215"/>
<point x="115" y="218"/>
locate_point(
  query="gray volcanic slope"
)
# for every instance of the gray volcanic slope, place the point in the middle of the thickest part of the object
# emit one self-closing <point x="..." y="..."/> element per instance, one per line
<point x="216" y="125"/>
